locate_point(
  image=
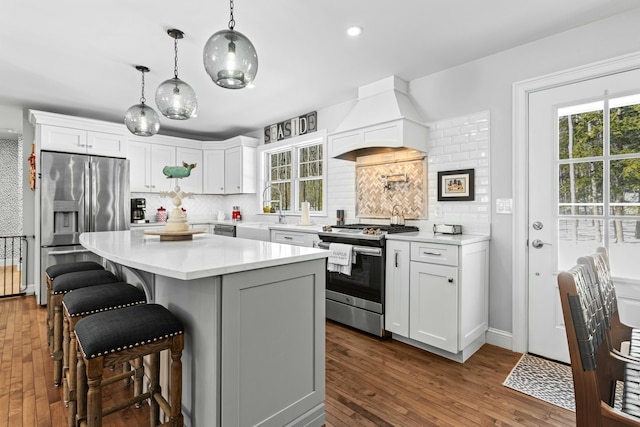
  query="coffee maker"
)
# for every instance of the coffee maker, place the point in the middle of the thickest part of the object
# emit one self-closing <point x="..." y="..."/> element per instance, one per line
<point x="138" y="207"/>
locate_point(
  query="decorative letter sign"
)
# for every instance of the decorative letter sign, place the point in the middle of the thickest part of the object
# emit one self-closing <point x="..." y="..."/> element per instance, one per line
<point x="293" y="127"/>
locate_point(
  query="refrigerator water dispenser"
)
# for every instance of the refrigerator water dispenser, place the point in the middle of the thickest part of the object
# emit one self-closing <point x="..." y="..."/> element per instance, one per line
<point x="65" y="216"/>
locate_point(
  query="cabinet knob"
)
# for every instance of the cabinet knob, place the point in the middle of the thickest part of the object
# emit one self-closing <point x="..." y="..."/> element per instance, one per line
<point x="450" y="280"/>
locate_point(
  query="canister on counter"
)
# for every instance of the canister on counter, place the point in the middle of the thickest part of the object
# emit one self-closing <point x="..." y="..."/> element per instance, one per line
<point x="161" y="216"/>
<point x="340" y="217"/>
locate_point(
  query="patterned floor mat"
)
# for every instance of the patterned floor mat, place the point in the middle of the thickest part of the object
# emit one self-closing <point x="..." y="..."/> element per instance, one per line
<point x="543" y="379"/>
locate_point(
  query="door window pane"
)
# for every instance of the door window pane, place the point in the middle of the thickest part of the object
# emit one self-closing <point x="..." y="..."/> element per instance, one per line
<point x="624" y="186"/>
<point x="580" y="188"/>
<point x="624" y="247"/>
<point x="577" y="237"/>
<point x="580" y="135"/>
<point x="625" y="125"/>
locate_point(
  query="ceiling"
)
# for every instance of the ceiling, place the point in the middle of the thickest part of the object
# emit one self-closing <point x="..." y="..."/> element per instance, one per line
<point x="77" y="57"/>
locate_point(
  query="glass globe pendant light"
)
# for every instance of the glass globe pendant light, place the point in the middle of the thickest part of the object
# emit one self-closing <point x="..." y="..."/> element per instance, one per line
<point x="176" y="99"/>
<point x="230" y="58"/>
<point x="141" y="119"/>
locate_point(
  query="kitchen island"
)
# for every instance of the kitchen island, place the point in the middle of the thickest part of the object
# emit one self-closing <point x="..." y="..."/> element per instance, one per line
<point x="254" y="315"/>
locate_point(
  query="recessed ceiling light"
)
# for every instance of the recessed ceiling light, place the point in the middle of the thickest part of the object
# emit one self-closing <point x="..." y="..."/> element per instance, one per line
<point x="354" y="31"/>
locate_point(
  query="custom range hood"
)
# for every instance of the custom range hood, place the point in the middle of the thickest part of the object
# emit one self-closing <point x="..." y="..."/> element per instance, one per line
<point x="383" y="119"/>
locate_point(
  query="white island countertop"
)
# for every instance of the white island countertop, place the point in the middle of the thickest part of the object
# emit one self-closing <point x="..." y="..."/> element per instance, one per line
<point x="205" y="256"/>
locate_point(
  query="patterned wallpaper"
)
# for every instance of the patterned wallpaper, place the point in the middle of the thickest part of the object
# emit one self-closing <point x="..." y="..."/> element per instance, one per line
<point x="11" y="164"/>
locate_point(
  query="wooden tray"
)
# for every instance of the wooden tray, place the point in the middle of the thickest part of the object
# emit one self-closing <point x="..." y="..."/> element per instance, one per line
<point x="173" y="235"/>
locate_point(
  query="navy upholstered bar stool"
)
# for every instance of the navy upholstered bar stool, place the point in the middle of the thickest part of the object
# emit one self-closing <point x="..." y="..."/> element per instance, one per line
<point x="57" y="270"/>
<point x="62" y="285"/>
<point x="85" y="302"/>
<point x="116" y="336"/>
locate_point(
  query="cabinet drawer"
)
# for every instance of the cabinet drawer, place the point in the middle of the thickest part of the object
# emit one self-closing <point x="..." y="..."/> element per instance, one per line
<point x="434" y="253"/>
<point x="288" y="237"/>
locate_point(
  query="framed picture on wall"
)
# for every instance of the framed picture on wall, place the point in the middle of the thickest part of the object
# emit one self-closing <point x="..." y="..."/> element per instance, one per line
<point x="456" y="186"/>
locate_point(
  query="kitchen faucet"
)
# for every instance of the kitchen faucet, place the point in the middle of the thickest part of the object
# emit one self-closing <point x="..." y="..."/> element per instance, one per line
<point x="280" y="214"/>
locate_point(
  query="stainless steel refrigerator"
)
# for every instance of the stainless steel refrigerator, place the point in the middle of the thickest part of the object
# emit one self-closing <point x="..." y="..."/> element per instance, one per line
<point x="78" y="193"/>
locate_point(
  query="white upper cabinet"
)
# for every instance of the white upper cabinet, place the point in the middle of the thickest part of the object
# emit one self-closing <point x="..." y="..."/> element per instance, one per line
<point x="230" y="166"/>
<point x="192" y="183"/>
<point x="149" y="155"/>
<point x="56" y="132"/>
<point x="213" y="171"/>
<point x="146" y="161"/>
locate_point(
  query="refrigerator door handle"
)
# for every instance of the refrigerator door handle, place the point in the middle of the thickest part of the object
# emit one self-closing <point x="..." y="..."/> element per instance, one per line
<point x="89" y="195"/>
<point x="69" y="252"/>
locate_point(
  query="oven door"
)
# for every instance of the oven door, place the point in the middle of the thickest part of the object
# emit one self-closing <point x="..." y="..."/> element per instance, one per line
<point x="366" y="281"/>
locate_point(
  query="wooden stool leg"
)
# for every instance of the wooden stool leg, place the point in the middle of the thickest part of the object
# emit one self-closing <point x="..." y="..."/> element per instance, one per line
<point x="154" y="387"/>
<point x="81" y="388"/>
<point x="65" y="359"/>
<point x="176" y="418"/>
<point x="138" y="378"/>
<point x="72" y="379"/>
<point x="49" y="315"/>
<point x="57" y="341"/>
<point x="94" y="391"/>
<point x="126" y="367"/>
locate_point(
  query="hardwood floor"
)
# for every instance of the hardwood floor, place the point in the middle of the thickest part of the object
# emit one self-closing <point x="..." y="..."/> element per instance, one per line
<point x="370" y="382"/>
<point x="10" y="280"/>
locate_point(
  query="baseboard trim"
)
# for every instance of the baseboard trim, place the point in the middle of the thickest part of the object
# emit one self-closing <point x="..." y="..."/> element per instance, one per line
<point x="500" y="338"/>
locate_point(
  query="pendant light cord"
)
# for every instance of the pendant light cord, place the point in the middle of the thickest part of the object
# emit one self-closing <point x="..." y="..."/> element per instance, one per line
<point x="175" y="67"/>
<point x="232" y="22"/>
<point x="142" y="98"/>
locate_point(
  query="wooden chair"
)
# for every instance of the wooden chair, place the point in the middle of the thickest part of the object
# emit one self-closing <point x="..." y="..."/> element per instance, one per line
<point x="129" y="333"/>
<point x="595" y="369"/>
<point x="623" y="339"/>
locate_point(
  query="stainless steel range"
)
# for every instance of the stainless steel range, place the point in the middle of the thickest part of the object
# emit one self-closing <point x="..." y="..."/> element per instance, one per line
<point x="357" y="299"/>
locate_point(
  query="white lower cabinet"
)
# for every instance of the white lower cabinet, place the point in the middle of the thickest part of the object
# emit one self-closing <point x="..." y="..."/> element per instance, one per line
<point x="433" y="307"/>
<point x="397" y="288"/>
<point x="437" y="295"/>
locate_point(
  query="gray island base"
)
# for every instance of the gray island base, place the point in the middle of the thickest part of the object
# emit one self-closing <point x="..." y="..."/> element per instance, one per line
<point x="254" y="314"/>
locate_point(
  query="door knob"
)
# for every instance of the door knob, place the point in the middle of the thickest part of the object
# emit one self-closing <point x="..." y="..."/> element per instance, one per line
<point x="539" y="243"/>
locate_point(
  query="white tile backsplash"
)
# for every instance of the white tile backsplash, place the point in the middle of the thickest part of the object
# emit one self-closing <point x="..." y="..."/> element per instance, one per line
<point x="460" y="143"/>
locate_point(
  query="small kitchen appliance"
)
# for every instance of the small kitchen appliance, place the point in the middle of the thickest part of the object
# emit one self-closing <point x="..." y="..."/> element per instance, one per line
<point x="447" y="229"/>
<point x="235" y="214"/>
<point x="138" y="208"/>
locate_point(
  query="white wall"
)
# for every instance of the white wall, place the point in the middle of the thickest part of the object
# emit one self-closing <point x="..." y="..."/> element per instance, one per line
<point x="486" y="84"/>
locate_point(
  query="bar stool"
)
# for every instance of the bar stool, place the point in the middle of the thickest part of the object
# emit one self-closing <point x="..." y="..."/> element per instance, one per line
<point x="54" y="271"/>
<point x="62" y="285"/>
<point x="116" y="336"/>
<point x="85" y="302"/>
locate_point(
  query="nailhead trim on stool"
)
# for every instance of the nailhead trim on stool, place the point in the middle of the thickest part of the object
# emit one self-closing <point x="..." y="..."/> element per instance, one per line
<point x="123" y="334"/>
<point x="84" y="302"/>
<point x="62" y="285"/>
<point x="130" y="327"/>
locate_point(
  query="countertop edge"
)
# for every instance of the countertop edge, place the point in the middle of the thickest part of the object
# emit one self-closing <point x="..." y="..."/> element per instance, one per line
<point x="447" y="239"/>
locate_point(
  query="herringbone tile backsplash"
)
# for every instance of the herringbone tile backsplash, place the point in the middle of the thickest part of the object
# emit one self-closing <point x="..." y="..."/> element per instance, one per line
<point x="376" y="196"/>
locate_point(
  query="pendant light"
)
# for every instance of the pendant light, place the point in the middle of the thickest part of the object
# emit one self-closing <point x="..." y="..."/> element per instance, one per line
<point x="230" y="58"/>
<point x="176" y="99"/>
<point x="141" y="119"/>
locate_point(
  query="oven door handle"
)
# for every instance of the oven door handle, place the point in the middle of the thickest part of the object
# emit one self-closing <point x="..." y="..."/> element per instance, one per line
<point x="358" y="250"/>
